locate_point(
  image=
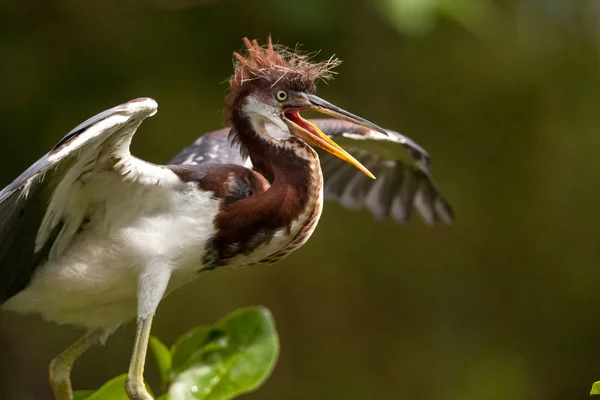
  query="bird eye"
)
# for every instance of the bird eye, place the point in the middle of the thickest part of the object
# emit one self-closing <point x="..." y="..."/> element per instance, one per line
<point x="281" y="95"/>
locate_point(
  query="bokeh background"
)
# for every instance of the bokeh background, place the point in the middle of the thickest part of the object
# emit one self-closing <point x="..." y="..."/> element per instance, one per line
<point x="504" y="94"/>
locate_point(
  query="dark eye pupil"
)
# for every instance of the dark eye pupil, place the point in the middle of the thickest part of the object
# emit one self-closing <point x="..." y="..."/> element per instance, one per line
<point x="281" y="95"/>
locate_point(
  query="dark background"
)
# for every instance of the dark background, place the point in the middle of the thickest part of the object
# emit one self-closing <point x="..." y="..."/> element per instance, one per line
<point x="505" y="95"/>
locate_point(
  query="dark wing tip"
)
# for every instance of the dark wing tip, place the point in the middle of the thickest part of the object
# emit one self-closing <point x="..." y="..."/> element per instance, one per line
<point x="430" y="202"/>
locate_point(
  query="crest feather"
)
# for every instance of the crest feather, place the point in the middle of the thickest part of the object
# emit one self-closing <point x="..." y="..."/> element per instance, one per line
<point x="273" y="63"/>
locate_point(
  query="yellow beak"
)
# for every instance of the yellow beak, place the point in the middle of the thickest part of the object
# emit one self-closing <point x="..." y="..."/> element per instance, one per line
<point x="313" y="135"/>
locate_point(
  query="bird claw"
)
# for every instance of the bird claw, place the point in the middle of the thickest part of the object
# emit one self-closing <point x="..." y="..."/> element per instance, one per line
<point x="136" y="390"/>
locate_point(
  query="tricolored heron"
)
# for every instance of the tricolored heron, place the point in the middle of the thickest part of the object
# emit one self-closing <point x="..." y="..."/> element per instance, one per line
<point x="92" y="236"/>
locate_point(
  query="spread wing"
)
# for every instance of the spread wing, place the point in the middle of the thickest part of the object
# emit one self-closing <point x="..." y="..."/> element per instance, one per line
<point x="42" y="210"/>
<point x="400" y="165"/>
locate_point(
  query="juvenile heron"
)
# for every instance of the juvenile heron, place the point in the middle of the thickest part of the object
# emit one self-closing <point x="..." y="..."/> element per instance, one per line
<point x="92" y="236"/>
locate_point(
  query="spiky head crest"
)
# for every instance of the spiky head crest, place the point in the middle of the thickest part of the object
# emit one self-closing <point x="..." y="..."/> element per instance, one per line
<point x="274" y="65"/>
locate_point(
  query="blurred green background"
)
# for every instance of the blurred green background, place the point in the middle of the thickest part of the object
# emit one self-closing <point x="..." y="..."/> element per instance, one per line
<point x="505" y="96"/>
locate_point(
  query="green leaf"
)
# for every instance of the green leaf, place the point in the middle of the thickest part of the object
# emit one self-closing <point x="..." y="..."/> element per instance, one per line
<point x="163" y="360"/>
<point x="232" y="357"/>
<point x="111" y="390"/>
<point x="82" y="394"/>
<point x="186" y="345"/>
<point x="595" y="388"/>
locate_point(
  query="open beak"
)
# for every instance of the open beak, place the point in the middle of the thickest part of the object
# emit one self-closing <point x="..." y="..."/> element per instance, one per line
<point x="313" y="135"/>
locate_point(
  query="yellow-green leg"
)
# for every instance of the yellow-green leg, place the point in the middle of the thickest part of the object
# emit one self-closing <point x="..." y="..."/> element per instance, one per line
<point x="134" y="386"/>
<point x="60" y="367"/>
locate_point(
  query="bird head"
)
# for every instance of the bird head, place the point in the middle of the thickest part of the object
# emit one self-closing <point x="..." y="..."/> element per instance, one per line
<point x="273" y="84"/>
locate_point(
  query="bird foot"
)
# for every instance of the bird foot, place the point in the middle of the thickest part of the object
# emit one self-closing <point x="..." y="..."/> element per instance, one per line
<point x="136" y="390"/>
<point x="60" y="378"/>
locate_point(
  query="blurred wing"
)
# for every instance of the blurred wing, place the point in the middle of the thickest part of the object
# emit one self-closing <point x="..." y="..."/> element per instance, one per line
<point x="400" y="165"/>
<point x="42" y="209"/>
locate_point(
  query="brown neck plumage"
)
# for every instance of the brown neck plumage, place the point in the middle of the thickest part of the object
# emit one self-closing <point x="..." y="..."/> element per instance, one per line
<point x="289" y="204"/>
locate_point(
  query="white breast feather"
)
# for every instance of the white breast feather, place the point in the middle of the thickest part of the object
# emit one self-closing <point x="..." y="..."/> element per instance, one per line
<point x="130" y="226"/>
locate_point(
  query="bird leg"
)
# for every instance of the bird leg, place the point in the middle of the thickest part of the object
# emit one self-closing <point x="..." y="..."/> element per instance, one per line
<point x="152" y="284"/>
<point x="134" y="386"/>
<point x="60" y="366"/>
